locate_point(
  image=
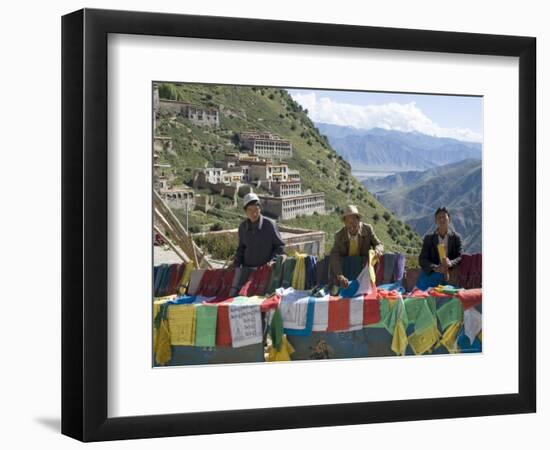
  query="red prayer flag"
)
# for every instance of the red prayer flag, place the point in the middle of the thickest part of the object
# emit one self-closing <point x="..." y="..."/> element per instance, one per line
<point x="338" y="314"/>
<point x="270" y="303"/>
<point x="257" y="282"/>
<point x="470" y="297"/>
<point x="224" y="288"/>
<point x="223" y="329"/>
<point x="371" y="309"/>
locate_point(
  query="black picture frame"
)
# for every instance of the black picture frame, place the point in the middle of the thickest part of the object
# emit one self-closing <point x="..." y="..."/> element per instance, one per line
<point x="84" y="224"/>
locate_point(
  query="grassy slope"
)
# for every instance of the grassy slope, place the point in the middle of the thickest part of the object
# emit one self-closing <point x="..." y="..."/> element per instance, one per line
<point x="321" y="169"/>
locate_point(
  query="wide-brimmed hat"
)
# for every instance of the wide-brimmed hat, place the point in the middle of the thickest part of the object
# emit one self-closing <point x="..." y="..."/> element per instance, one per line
<point x="351" y="210"/>
<point x="249" y="198"/>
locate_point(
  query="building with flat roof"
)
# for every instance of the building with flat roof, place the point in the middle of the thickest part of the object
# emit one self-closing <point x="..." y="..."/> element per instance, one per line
<point x="267" y="171"/>
<point x="286" y="188"/>
<point x="197" y="114"/>
<point x="235" y="176"/>
<point x="290" y="207"/>
<point x="211" y="174"/>
<point x="293" y="175"/>
<point x="267" y="145"/>
<point x="178" y="197"/>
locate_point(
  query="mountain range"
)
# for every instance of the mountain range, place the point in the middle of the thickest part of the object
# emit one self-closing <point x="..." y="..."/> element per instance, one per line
<point x="391" y="150"/>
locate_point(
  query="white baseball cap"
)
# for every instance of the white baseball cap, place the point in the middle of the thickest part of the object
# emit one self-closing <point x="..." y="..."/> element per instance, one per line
<point x="351" y="210"/>
<point x="249" y="198"/>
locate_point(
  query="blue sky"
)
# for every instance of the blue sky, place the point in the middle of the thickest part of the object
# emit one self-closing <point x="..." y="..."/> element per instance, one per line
<point x="458" y="117"/>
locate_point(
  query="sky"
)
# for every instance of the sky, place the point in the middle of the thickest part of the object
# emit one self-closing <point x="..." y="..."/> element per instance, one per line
<point x="457" y="117"/>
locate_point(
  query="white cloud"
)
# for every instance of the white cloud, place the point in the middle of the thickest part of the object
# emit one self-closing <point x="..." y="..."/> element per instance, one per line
<point x="390" y="116"/>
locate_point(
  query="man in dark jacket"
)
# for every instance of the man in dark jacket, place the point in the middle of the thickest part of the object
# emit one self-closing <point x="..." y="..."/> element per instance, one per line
<point x="259" y="239"/>
<point x="441" y="252"/>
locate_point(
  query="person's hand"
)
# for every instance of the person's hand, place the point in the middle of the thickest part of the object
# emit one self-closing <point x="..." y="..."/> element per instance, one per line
<point x="342" y="281"/>
<point x="441" y="269"/>
<point x="378" y="252"/>
<point x="270" y="263"/>
<point x="447" y="262"/>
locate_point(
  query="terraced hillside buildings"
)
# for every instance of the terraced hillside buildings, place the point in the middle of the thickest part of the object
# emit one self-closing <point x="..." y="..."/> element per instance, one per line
<point x="261" y="162"/>
<point x="177" y="197"/>
<point x="286" y="199"/>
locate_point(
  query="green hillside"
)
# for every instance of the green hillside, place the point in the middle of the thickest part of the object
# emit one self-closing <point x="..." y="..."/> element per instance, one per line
<point x="271" y="109"/>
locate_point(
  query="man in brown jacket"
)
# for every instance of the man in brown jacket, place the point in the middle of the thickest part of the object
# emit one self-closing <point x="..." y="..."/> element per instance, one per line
<point x="354" y="239"/>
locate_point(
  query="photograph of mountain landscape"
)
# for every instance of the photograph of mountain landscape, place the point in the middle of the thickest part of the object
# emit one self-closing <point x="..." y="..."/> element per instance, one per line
<point x="307" y="160"/>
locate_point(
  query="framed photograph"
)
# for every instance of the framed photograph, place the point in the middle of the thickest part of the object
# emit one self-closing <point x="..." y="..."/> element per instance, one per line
<point x="273" y="225"/>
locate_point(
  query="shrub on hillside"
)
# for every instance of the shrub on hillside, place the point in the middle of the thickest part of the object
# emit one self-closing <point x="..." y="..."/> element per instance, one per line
<point x="219" y="247"/>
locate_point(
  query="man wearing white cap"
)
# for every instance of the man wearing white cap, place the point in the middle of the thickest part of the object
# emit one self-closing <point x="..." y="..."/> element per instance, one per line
<point x="354" y="239"/>
<point x="259" y="239"/>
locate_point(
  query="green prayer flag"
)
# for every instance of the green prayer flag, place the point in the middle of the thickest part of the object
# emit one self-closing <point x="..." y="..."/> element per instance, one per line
<point x="432" y="303"/>
<point x="384" y="308"/>
<point x="205" y="326"/>
<point x="276" y="329"/>
<point x="413" y="305"/>
<point x="396" y="313"/>
<point x="449" y="313"/>
<point x="425" y="318"/>
<point x="384" y="312"/>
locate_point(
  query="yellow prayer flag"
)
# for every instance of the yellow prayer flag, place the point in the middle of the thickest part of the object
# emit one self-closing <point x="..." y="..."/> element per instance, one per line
<point x="299" y="275"/>
<point x="422" y="342"/>
<point x="441" y="251"/>
<point x="181" y="322"/>
<point x="186" y="276"/>
<point x="157" y="301"/>
<point x="281" y="355"/>
<point x="163" y="351"/>
<point x="449" y="337"/>
<point x="399" y="341"/>
<point x="373" y="260"/>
